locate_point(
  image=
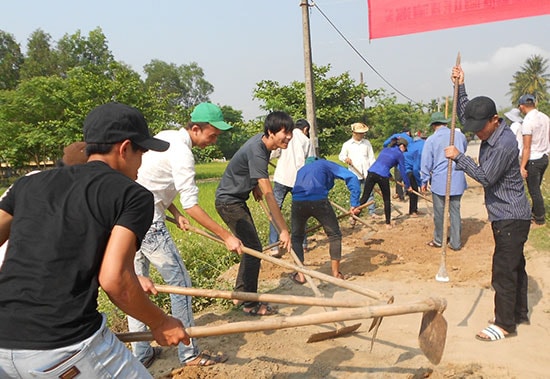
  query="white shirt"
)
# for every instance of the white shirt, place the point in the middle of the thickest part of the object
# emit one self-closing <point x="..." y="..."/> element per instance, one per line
<point x="537" y="124"/>
<point x="516" y="128"/>
<point x="168" y="173"/>
<point x="361" y="155"/>
<point x="292" y="158"/>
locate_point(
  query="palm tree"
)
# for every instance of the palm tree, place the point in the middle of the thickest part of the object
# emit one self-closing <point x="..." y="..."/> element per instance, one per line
<point x="532" y="79"/>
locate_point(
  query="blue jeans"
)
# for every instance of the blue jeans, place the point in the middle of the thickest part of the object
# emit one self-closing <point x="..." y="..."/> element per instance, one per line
<point x="239" y="220"/>
<point x="159" y="248"/>
<point x="535" y="174"/>
<point x="509" y="278"/>
<point x="101" y="356"/>
<point x="280" y="191"/>
<point x="322" y="211"/>
<point x="455" y="221"/>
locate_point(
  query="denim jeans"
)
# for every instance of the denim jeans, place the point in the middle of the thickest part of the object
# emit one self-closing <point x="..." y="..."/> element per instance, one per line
<point x="239" y="220"/>
<point x="101" y="356"/>
<point x="159" y="248"/>
<point x="509" y="278"/>
<point x="455" y="221"/>
<point x="322" y="211"/>
<point x="535" y="174"/>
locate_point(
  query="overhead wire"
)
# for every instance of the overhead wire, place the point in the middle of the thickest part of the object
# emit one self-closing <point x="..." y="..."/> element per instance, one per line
<point x="313" y="4"/>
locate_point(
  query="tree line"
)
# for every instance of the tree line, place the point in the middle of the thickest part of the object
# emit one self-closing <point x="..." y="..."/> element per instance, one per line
<point x="46" y="93"/>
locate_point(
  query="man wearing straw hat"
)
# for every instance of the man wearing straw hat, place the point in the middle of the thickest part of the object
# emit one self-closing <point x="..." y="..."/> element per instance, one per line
<point x="507" y="206"/>
<point x="433" y="171"/>
<point x="358" y="154"/>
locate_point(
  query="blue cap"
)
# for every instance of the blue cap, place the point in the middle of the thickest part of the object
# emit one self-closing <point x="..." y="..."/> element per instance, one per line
<point x="526" y="99"/>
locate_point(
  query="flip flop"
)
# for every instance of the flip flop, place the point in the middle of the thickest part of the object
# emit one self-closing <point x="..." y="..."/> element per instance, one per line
<point x="432" y="243"/>
<point x="254" y="311"/>
<point x="493" y="333"/>
<point x="294" y="278"/>
<point x="206" y="358"/>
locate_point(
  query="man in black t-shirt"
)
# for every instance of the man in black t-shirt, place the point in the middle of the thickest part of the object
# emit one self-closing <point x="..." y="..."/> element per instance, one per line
<point x="71" y="230"/>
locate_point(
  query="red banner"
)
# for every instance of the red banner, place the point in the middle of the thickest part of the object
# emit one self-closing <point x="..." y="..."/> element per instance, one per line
<point x="397" y="17"/>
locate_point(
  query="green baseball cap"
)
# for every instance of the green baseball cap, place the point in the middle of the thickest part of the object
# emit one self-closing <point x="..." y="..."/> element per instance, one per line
<point x="210" y="113"/>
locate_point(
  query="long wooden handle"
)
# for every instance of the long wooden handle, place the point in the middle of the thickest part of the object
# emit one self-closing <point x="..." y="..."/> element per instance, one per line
<point x="315" y="274"/>
<point x="415" y="192"/>
<point x="273" y="323"/>
<point x="265" y="297"/>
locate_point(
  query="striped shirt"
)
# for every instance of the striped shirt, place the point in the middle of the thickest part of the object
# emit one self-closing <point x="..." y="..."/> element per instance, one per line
<point x="498" y="171"/>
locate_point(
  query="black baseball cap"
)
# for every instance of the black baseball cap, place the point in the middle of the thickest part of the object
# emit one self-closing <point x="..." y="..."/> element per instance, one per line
<point x="478" y="111"/>
<point x="114" y="122"/>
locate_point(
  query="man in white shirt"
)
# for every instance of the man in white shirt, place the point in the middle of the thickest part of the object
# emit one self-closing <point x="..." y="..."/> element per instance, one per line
<point x="165" y="175"/>
<point x="534" y="157"/>
<point x="514" y="115"/>
<point x="290" y="161"/>
<point x="358" y="154"/>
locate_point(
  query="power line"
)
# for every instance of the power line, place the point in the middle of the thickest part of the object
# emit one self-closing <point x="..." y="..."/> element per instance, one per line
<point x="313" y="4"/>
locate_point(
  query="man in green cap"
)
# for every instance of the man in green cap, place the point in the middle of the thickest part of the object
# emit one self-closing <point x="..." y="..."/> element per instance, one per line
<point x="165" y="175"/>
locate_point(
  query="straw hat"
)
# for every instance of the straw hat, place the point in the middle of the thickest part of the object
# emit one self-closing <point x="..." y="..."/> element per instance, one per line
<point x="359" y="127"/>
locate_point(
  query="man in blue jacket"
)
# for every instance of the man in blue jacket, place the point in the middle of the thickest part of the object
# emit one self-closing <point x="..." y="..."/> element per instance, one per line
<point x="310" y="199"/>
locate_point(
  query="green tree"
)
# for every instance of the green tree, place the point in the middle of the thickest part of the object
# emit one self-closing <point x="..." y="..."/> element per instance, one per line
<point x="11" y="60"/>
<point x="185" y="85"/>
<point x="338" y="102"/>
<point x="91" y="53"/>
<point x="41" y="59"/>
<point x="532" y="78"/>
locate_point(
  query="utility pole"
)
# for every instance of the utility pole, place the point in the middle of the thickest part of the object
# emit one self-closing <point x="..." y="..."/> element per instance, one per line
<point x="308" y="66"/>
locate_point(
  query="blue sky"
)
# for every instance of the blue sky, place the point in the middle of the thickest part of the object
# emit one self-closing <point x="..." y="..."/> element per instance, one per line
<point x="241" y="42"/>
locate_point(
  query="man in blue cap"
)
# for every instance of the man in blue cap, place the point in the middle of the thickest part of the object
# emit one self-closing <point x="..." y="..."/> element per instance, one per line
<point x="534" y="155"/>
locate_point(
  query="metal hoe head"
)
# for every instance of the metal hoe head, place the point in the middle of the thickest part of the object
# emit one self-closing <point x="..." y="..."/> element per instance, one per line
<point x="433" y="335"/>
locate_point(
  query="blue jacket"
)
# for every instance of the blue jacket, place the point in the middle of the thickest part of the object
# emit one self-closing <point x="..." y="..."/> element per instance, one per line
<point x="388" y="158"/>
<point x="413" y="157"/>
<point x="398" y="135"/>
<point x="316" y="179"/>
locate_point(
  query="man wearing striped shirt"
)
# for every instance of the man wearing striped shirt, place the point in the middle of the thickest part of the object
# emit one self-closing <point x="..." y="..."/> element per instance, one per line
<point x="507" y="206"/>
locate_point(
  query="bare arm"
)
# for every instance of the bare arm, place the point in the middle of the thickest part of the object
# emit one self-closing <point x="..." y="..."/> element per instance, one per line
<point x="5" y="226"/>
<point x="181" y="221"/>
<point x="278" y="219"/>
<point x="232" y="243"/>
<point x="118" y="279"/>
<point x="525" y="154"/>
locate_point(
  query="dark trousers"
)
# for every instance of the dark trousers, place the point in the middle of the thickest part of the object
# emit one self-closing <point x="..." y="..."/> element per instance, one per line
<point x="509" y="278"/>
<point x="413" y="198"/>
<point x="535" y="174"/>
<point x="384" y="184"/>
<point x="323" y="212"/>
<point x="239" y="220"/>
<point x="398" y="189"/>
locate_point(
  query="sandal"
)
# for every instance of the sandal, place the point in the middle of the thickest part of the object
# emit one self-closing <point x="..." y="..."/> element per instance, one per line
<point x="432" y="243"/>
<point x="148" y="361"/>
<point x="342" y="276"/>
<point x="294" y="278"/>
<point x="207" y="359"/>
<point x="493" y="333"/>
<point x="255" y="310"/>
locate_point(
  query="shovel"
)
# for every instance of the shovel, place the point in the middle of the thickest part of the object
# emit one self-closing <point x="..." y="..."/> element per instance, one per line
<point x="339" y="330"/>
<point x="442" y="275"/>
<point x="432" y="335"/>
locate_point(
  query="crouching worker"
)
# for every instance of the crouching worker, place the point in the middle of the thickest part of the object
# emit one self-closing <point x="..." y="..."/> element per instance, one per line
<point x="310" y="199"/>
<point x="71" y="230"/>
